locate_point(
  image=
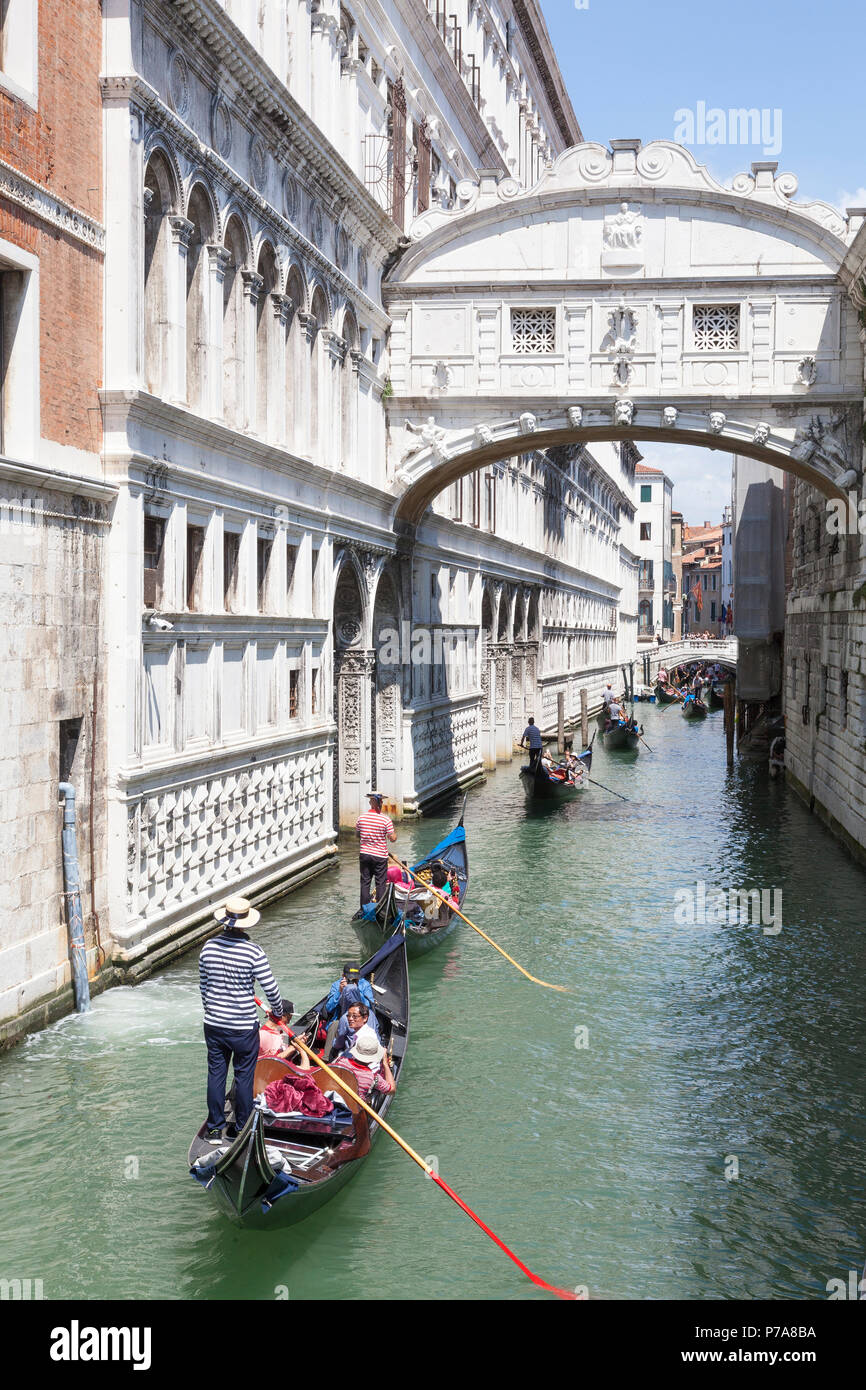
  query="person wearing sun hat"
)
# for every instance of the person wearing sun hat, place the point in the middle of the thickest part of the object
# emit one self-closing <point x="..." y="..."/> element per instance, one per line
<point x="368" y="1060"/>
<point x="228" y="967"/>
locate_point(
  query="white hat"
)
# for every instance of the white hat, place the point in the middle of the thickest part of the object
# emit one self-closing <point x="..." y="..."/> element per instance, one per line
<point x="367" y="1047"/>
<point x="238" y="909"/>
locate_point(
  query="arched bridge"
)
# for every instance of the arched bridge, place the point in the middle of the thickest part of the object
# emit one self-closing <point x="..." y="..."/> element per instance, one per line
<point x="671" y="654"/>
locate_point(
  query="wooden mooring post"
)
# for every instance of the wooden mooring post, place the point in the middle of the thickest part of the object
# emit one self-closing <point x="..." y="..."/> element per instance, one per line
<point x="560" y="722"/>
<point x="584" y="718"/>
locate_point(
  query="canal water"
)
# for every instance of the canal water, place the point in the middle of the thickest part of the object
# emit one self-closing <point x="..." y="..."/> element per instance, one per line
<point x="689" y="1121"/>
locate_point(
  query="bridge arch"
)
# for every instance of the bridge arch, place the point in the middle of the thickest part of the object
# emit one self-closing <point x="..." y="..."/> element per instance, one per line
<point x="627" y="296"/>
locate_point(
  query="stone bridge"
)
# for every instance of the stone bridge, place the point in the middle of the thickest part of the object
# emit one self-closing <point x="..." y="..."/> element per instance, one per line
<point x="671" y="654"/>
<point x="627" y="295"/>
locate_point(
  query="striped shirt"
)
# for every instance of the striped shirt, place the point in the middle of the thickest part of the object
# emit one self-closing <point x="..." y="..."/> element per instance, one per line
<point x="374" y="829"/>
<point x="227" y="967"/>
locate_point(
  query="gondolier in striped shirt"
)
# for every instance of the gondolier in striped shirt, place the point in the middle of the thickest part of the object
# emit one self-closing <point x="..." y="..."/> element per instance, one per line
<point x="228" y="966"/>
<point x="374" y="830"/>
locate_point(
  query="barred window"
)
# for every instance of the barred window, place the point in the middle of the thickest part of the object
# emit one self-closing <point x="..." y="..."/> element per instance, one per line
<point x="533" y="330"/>
<point x="717" y="327"/>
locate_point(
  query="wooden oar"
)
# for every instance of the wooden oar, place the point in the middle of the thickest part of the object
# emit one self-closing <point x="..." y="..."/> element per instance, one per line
<point x="416" y="1158"/>
<point x="441" y="896"/>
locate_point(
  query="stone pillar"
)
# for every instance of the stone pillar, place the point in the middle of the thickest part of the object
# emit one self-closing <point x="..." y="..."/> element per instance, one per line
<point x="175" y="351"/>
<point x="353" y="670"/>
<point x="252" y="288"/>
<point x="502" y="704"/>
<point x="218" y="262"/>
<point x="281" y="307"/>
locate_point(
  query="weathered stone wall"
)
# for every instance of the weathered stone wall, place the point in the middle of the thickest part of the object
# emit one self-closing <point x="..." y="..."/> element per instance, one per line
<point x="50" y="580"/>
<point x="825" y="691"/>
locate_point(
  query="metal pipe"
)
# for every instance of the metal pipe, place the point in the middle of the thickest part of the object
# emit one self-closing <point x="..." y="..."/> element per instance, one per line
<point x="74" y="918"/>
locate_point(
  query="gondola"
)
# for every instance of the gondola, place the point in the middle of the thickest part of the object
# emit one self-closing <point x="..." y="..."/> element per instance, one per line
<point x="664" y="696"/>
<point x="540" y="786"/>
<point x="426" y="919"/>
<point x="281" y="1169"/>
<point x="715" y="698"/>
<point x="694" y="708"/>
<point x="621" y="735"/>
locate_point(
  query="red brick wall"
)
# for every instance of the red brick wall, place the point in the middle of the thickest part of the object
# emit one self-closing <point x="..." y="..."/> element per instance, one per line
<point x="60" y="147"/>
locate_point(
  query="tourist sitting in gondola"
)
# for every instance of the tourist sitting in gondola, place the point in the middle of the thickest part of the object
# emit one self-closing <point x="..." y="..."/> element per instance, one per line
<point x="614" y="714"/>
<point x="399" y="873"/>
<point x="351" y="988"/>
<point x="368" y="1061"/>
<point x="348" y="1028"/>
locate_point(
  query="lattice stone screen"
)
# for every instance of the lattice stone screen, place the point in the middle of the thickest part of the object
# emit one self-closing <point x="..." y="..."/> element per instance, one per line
<point x="717" y="327"/>
<point x="533" y="330"/>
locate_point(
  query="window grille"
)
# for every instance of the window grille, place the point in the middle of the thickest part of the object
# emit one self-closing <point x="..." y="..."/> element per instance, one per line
<point x="533" y="330"/>
<point x="398" y="152"/>
<point x="717" y="327"/>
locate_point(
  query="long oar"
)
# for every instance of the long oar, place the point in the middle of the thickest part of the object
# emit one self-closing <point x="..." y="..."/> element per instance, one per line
<point x="644" y="742"/>
<point x="440" y="1182"/>
<point x="448" y="903"/>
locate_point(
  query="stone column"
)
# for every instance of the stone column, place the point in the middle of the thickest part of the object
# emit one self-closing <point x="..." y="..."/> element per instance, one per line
<point x="280" y="307"/>
<point x="332" y="443"/>
<point x="218" y="262"/>
<point x="502" y="705"/>
<point x="353" y="670"/>
<point x="181" y="231"/>
<point x="252" y="288"/>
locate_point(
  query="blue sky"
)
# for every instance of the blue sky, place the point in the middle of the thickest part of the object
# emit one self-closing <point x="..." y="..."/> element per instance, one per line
<point x="630" y="67"/>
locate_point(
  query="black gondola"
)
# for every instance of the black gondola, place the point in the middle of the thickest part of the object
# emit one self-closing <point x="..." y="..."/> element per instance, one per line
<point x="694" y="708"/>
<point x="539" y="785"/>
<point x="621" y="735"/>
<point x="426" y="919"/>
<point x="280" y="1170"/>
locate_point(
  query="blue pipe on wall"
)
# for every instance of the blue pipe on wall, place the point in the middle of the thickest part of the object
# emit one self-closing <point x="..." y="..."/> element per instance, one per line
<point x="74" y="918"/>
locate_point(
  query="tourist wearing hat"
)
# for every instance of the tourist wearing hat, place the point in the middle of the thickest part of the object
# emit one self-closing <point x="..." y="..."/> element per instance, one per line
<point x="374" y="830"/>
<point x="228" y="967"/>
<point x="368" y="1060"/>
<point x="351" y="988"/>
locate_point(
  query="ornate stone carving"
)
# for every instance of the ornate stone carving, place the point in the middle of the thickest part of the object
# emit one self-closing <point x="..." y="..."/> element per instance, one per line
<point x="363" y="270"/>
<point x="716" y="421"/>
<point x="221" y="126"/>
<point x="209" y="832"/>
<point x="575" y="416"/>
<point x="623" y="411"/>
<point x="483" y="435"/>
<point x="178" y="84"/>
<point x="341" y="246"/>
<point x="807" y="371"/>
<point x="527" y="423"/>
<point x="761" y="433"/>
<point x="181" y="229"/>
<point x="430" y="436"/>
<point x="817" y="444"/>
<point x="623" y="237"/>
<point x="290" y="197"/>
<point x="258" y="162"/>
<point x="670" y="416"/>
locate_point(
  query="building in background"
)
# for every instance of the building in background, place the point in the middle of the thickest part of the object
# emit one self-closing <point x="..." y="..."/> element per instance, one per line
<point x="677" y="566"/>
<point x="726" y="615"/>
<point x="656" y="585"/>
<point x="702" y="579"/>
<point x="55" y="506"/>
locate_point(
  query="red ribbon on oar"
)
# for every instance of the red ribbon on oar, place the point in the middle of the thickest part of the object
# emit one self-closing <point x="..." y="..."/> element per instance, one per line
<point x="440" y="1182"/>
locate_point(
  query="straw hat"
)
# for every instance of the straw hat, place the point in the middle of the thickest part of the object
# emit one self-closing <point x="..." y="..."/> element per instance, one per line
<point x="367" y="1047"/>
<point x="236" y="912"/>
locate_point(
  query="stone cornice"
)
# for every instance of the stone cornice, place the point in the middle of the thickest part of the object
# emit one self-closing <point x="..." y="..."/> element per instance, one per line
<point x="32" y="475"/>
<point x="234" y="52"/>
<point x="41" y="203"/>
<point x="131" y="88"/>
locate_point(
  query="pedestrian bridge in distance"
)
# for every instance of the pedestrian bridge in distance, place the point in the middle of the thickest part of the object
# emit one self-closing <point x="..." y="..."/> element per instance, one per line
<point x="721" y="649"/>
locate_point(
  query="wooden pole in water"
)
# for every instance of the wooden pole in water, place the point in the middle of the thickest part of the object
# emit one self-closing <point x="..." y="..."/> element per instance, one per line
<point x="560" y="722"/>
<point x="584" y="719"/>
<point x="728" y="697"/>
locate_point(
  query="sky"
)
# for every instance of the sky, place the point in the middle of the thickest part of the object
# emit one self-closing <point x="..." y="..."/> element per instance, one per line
<point x="651" y="70"/>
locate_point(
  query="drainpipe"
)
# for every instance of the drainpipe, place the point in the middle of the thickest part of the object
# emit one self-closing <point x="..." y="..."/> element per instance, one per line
<point x="74" y="919"/>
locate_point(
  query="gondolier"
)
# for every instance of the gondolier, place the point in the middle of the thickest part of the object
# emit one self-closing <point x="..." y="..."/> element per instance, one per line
<point x="533" y="741"/>
<point x="228" y="966"/>
<point x="374" y="830"/>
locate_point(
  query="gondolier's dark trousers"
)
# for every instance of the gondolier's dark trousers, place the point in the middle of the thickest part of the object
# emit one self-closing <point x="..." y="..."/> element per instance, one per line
<point x="534" y="758"/>
<point x="224" y="1047"/>
<point x="373" y="867"/>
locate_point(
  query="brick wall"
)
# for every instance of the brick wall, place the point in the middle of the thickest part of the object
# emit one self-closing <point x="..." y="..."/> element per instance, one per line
<point x="825" y="676"/>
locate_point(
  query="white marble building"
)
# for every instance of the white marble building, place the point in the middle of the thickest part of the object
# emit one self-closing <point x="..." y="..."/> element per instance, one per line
<point x="655" y="548"/>
<point x="262" y="161"/>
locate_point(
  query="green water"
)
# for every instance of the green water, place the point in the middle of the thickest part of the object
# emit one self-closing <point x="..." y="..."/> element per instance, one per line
<point x="602" y="1166"/>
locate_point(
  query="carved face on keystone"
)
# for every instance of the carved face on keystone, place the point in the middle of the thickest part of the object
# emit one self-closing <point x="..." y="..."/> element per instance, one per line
<point x="623" y="412"/>
<point x="717" y="421"/>
<point x="670" y="414"/>
<point x="761" y="435"/>
<point x="575" y="416"/>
